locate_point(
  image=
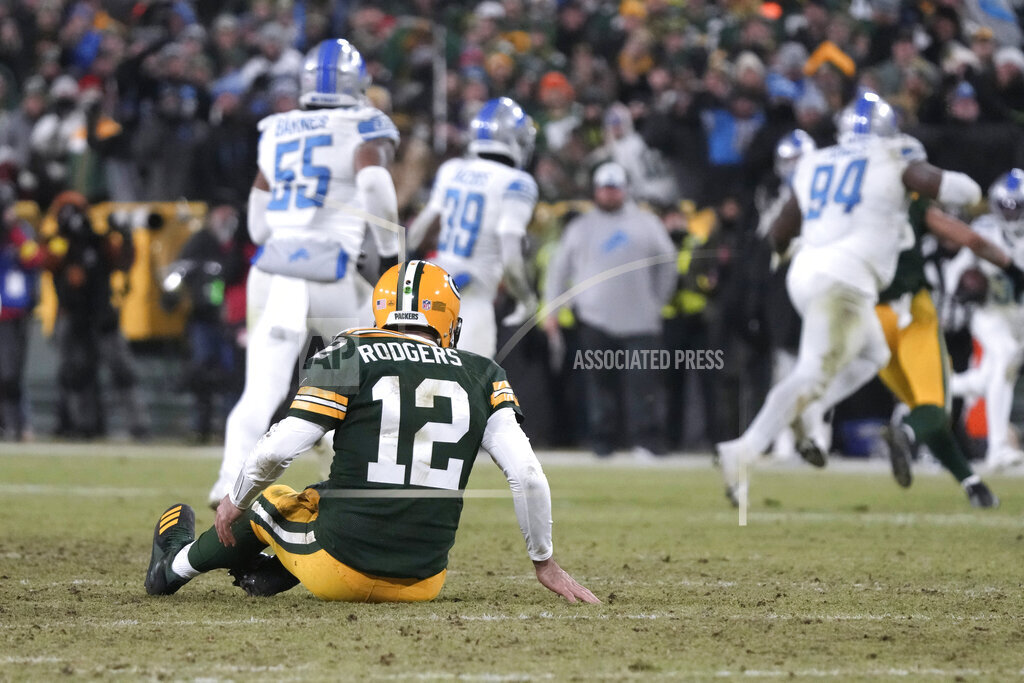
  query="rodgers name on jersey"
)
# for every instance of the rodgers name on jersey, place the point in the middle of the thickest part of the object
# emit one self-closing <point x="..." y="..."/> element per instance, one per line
<point x="409" y="418"/>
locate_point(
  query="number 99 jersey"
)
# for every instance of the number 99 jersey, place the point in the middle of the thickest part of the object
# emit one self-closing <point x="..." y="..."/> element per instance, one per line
<point x="854" y="204"/>
<point x="307" y="158"/>
<point x="472" y="196"/>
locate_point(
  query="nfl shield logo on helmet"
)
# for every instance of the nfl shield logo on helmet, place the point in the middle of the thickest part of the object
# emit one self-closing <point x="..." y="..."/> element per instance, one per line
<point x="425" y="305"/>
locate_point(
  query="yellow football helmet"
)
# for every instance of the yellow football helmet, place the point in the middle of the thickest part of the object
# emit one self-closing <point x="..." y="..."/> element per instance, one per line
<point x="418" y="294"/>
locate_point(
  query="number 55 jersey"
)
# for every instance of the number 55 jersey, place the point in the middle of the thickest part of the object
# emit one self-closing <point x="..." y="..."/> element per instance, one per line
<point x="307" y="157"/>
<point x="854" y="207"/>
<point x="409" y="417"/>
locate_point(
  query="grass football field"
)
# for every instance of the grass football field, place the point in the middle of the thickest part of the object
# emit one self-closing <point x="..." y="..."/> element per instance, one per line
<point x="839" y="575"/>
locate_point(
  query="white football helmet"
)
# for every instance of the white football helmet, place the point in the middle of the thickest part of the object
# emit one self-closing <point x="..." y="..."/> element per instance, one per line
<point x="789" y="150"/>
<point x="333" y="75"/>
<point x="502" y="127"/>
<point x="868" y="114"/>
<point x="1006" y="200"/>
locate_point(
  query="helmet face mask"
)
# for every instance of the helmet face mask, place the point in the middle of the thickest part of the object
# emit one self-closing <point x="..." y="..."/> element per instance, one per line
<point x="789" y="150"/>
<point x="867" y="115"/>
<point x="501" y="127"/>
<point x="1006" y="200"/>
<point x="419" y="295"/>
<point x="333" y="75"/>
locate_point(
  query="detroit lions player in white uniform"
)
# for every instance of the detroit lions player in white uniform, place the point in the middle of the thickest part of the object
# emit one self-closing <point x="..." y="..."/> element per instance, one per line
<point x="323" y="173"/>
<point x="485" y="201"/>
<point x="998" y="325"/>
<point x="810" y="427"/>
<point x="849" y="205"/>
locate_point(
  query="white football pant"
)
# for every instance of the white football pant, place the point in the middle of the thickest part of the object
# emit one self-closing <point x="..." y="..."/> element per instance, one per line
<point x="1002" y="343"/>
<point x="811" y="423"/>
<point x="275" y="345"/>
<point x="841" y="348"/>
<point x="479" y="329"/>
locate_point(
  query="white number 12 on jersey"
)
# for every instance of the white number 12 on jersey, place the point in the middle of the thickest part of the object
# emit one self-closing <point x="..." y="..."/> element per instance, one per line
<point x="387" y="469"/>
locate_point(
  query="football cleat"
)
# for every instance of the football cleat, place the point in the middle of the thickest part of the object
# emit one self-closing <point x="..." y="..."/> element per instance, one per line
<point x="811" y="452"/>
<point x="175" y="529"/>
<point x="729" y="459"/>
<point x="981" y="495"/>
<point x="900" y="454"/>
<point x="266" y="576"/>
<point x="1007" y="457"/>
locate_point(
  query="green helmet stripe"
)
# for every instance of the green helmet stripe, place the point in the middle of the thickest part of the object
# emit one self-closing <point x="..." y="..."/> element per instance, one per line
<point x="400" y="286"/>
<point x="417" y="276"/>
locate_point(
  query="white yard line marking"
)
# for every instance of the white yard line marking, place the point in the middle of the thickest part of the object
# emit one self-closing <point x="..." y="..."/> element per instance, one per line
<point x="128" y="451"/>
<point x="29" y="660"/>
<point x="549" y="458"/>
<point x="77" y="490"/>
<point x="72" y="582"/>
<point x="842" y="673"/>
<point x="521" y="617"/>
<point x="462" y="676"/>
<point x="896" y="518"/>
<point x="834" y="673"/>
<point x="937" y="519"/>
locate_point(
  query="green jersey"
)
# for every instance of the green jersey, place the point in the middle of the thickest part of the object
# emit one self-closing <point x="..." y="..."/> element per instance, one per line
<point x="910" y="277"/>
<point x="409" y="417"/>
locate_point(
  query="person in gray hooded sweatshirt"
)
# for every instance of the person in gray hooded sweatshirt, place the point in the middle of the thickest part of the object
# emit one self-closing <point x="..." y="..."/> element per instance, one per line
<point x="621" y="258"/>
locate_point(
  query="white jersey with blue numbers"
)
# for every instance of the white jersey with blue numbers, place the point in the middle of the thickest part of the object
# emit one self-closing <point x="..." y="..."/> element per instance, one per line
<point x="1000" y="287"/>
<point x="307" y="158"/>
<point x="471" y="195"/>
<point x="854" y="207"/>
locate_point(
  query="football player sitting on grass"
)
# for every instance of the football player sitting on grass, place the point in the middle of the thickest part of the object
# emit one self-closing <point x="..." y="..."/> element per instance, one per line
<point x="410" y="412"/>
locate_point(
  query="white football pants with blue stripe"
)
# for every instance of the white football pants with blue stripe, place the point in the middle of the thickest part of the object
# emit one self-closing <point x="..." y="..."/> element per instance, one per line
<point x="276" y="341"/>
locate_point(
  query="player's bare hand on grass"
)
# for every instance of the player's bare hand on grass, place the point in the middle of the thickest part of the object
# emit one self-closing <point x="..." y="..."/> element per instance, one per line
<point x="227" y="514"/>
<point x="557" y="580"/>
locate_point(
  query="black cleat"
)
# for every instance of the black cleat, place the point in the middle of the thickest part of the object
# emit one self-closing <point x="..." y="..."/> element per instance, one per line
<point x="981" y="495"/>
<point x="266" y="576"/>
<point x="732" y="494"/>
<point x="900" y="454"/>
<point x="175" y="529"/>
<point x="810" y="452"/>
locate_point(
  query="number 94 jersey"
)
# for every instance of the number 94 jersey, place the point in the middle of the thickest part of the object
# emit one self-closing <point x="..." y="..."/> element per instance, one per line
<point x="307" y="158"/>
<point x="472" y="196"/>
<point x="409" y="417"/>
<point x="854" y="204"/>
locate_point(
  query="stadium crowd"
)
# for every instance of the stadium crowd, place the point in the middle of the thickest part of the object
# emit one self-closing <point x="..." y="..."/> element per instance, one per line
<point x="159" y="100"/>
